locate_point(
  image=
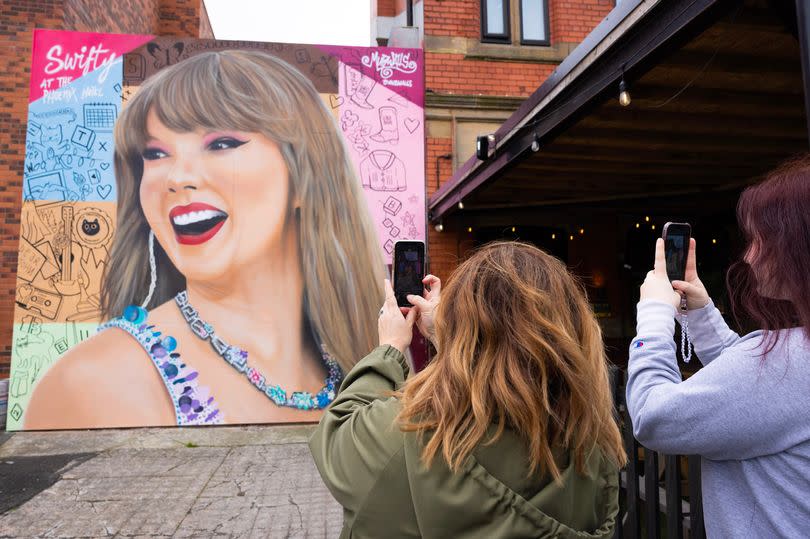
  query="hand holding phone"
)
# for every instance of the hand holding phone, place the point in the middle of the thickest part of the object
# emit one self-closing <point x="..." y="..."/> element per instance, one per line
<point x="409" y="270"/>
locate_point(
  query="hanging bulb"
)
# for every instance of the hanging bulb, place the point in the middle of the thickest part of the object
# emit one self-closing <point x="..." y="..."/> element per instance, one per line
<point x="439" y="227"/>
<point x="624" y="94"/>
<point x="513" y="229"/>
<point x="469" y="229"/>
<point x="554" y="236"/>
<point x="461" y="204"/>
<point x="535" y="144"/>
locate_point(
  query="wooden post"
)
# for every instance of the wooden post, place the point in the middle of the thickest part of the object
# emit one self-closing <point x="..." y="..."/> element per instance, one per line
<point x="803" y="23"/>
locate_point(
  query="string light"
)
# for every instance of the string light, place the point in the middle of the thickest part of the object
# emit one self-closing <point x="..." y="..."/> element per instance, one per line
<point x="554" y="236"/>
<point x="571" y="237"/>
<point x="461" y="204"/>
<point x="513" y="229"/>
<point x="638" y="225"/>
<point x="439" y="227"/>
<point x="653" y="227"/>
<point x="647" y="218"/>
<point x="624" y="94"/>
<point x="469" y="229"/>
<point x="581" y="231"/>
<point x="714" y="241"/>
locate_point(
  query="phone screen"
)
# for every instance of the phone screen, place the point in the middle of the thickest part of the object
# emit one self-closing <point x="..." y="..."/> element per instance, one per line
<point x="409" y="270"/>
<point x="676" y="247"/>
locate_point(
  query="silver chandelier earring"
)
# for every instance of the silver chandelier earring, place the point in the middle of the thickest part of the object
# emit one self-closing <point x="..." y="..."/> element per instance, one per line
<point x="152" y="269"/>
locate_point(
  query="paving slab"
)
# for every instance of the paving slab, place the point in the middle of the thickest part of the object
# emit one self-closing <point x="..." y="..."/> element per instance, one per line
<point x="224" y="482"/>
<point x="86" y="441"/>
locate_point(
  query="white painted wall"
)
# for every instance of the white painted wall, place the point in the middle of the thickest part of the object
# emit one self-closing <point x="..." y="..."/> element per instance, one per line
<point x="325" y="22"/>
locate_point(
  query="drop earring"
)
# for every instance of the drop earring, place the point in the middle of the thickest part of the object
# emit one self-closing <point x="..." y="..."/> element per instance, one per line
<point x="152" y="270"/>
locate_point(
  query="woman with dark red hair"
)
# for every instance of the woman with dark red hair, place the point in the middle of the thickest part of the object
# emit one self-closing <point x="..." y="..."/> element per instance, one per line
<point x="747" y="411"/>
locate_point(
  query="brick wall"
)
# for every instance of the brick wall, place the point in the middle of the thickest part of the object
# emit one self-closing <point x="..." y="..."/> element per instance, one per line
<point x="130" y="17"/>
<point x="454" y="74"/>
<point x="385" y="8"/>
<point x="18" y="18"/>
<point x="572" y="20"/>
<point x="180" y="18"/>
<point x="454" y="18"/>
<point x="449" y="73"/>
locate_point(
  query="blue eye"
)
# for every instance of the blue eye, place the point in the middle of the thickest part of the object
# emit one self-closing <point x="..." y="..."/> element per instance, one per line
<point x="225" y="143"/>
<point x="151" y="154"/>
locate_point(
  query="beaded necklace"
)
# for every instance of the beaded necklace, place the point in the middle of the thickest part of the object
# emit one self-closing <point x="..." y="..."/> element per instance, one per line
<point x="237" y="358"/>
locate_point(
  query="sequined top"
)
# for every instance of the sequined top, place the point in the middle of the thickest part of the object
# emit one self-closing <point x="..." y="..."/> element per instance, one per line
<point x="192" y="402"/>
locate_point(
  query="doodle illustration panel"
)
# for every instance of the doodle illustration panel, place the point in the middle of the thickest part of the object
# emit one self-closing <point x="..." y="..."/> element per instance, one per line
<point x="37" y="345"/>
<point x="203" y="217"/>
<point x="64" y="248"/>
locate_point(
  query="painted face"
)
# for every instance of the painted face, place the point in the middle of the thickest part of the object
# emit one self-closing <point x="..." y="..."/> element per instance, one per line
<point x="217" y="201"/>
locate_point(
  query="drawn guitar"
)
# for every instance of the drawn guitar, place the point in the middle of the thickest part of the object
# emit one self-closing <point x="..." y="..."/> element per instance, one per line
<point x="70" y="257"/>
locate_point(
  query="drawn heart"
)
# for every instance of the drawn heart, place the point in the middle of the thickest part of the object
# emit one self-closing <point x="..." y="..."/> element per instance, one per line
<point x="104" y="190"/>
<point x="105" y="166"/>
<point x="335" y="101"/>
<point x="411" y="124"/>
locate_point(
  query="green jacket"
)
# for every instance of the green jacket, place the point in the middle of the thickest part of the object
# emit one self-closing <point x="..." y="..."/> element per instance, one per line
<point x="374" y="471"/>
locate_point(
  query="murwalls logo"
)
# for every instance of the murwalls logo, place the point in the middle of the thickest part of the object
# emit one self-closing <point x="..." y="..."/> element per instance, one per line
<point x="387" y="64"/>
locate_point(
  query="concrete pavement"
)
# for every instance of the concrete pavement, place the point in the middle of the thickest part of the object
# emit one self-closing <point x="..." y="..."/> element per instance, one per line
<point x="177" y="482"/>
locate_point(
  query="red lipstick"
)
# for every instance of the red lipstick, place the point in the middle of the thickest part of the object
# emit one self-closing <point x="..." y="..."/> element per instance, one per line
<point x="196" y="223"/>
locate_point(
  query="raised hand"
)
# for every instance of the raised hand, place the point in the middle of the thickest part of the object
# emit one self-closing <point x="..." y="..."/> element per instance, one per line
<point x="426" y="307"/>
<point x="394" y="328"/>
<point x="696" y="294"/>
<point x="657" y="286"/>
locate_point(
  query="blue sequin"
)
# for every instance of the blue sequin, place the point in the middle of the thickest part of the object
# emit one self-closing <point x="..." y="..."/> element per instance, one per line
<point x="170" y="370"/>
<point x="135" y="314"/>
<point x="169" y="343"/>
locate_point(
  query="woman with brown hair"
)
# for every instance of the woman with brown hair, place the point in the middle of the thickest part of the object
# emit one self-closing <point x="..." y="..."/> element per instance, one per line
<point x="508" y="432"/>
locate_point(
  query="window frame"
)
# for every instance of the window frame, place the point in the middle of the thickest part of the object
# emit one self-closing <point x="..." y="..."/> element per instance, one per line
<point x="536" y="42"/>
<point x="489" y="37"/>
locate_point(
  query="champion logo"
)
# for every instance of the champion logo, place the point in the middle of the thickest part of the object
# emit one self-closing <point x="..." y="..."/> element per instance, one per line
<point x="638" y="344"/>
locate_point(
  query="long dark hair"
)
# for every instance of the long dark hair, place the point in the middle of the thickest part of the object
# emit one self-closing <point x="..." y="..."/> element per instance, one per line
<point x="775" y="218"/>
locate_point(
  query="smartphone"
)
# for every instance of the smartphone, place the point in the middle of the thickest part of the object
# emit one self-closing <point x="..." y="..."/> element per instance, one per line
<point x="409" y="270"/>
<point x="676" y="249"/>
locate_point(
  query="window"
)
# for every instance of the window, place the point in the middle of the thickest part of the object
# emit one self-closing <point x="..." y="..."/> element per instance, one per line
<point x="534" y="22"/>
<point x="530" y="27"/>
<point x="495" y="21"/>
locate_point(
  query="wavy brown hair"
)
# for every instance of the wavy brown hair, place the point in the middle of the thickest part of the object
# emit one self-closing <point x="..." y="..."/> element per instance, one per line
<point x="518" y="348"/>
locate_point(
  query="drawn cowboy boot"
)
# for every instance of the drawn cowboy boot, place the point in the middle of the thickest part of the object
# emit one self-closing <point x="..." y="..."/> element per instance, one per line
<point x="389" y="130"/>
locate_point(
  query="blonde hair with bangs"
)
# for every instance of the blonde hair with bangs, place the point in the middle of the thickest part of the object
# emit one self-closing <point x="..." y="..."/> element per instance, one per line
<point x="518" y="348"/>
<point x="252" y="91"/>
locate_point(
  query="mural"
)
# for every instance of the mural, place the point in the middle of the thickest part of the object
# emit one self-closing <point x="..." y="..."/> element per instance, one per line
<point x="203" y="224"/>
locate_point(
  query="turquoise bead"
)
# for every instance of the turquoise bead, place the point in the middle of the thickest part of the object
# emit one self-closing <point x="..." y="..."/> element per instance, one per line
<point x="135" y="314"/>
<point x="169" y="343"/>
